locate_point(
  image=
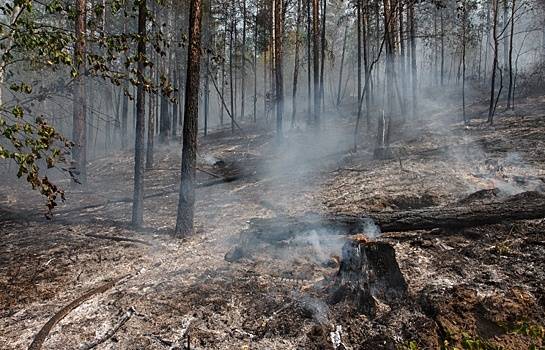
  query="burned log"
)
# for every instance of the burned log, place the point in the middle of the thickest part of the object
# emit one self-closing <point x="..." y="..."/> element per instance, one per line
<point x="369" y="273"/>
<point x="524" y="206"/>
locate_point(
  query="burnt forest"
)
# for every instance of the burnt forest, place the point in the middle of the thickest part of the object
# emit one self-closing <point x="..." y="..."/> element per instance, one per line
<point x="272" y="174"/>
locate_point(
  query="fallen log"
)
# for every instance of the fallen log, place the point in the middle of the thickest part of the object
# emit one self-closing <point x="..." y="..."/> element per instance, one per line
<point x="524" y="206"/>
<point x="46" y="329"/>
<point x="279" y="230"/>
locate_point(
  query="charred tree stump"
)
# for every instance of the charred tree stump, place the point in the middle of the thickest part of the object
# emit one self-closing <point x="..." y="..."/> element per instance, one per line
<point x="369" y="272"/>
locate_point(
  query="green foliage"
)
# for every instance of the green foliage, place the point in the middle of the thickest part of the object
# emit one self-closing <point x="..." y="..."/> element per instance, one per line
<point x="39" y="37"/>
<point x="29" y="145"/>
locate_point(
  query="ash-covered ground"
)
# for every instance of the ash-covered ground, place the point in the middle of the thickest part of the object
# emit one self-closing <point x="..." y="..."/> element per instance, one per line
<point x="474" y="284"/>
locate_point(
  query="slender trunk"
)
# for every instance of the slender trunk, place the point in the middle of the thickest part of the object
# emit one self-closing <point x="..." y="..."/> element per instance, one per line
<point x="365" y="38"/>
<point x="309" y="59"/>
<point x="231" y="85"/>
<point x="151" y="121"/>
<point x="464" y="43"/>
<point x="510" y="95"/>
<point x="243" y="63"/>
<point x="278" y="32"/>
<point x="323" y="45"/>
<point x="316" y="60"/>
<point x="296" y="64"/>
<point x="186" y="202"/>
<point x="358" y="38"/>
<point x="79" y="134"/>
<point x="255" y="68"/>
<point x="495" y="61"/>
<point x="138" y="194"/>
<point x="442" y="48"/>
<point x="341" y="69"/>
<point x="413" y="60"/>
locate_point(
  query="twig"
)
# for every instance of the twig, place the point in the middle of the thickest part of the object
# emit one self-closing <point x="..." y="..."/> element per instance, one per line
<point x="209" y="173"/>
<point x="44" y="332"/>
<point x="119" y="239"/>
<point x="111" y="332"/>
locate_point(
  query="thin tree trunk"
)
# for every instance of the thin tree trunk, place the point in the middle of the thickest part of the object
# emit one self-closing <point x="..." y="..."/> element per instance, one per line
<point x="464" y="44"/>
<point x="510" y="94"/>
<point x="495" y="61"/>
<point x="151" y="121"/>
<point x="255" y="68"/>
<point x="322" y="47"/>
<point x="413" y="60"/>
<point x="243" y="63"/>
<point x="186" y="203"/>
<point x="138" y="194"/>
<point x="341" y="69"/>
<point x="79" y="132"/>
<point x="231" y="84"/>
<point x="309" y="59"/>
<point x="296" y="64"/>
<point x="278" y="47"/>
<point x="316" y="60"/>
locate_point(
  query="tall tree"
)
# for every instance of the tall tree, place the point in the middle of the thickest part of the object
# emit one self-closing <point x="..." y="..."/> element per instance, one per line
<point x="495" y="60"/>
<point x="296" y="64"/>
<point x="138" y="194"/>
<point x="510" y="96"/>
<point x="316" y="58"/>
<point x="278" y="55"/>
<point x="186" y="202"/>
<point x="79" y="132"/>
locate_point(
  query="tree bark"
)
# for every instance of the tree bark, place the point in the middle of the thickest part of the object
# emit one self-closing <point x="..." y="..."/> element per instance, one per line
<point x="79" y="129"/>
<point x="296" y="64"/>
<point x="316" y="59"/>
<point x="278" y="47"/>
<point x="186" y="203"/>
<point x="138" y="194"/>
<point x="510" y="95"/>
<point x="495" y="61"/>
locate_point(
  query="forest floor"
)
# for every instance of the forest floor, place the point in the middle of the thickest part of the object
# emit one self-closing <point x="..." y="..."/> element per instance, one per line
<point x="475" y="283"/>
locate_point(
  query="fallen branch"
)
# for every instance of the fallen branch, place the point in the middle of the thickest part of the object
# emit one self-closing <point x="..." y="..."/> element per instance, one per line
<point x="111" y="332"/>
<point x="46" y="329"/>
<point x="119" y="239"/>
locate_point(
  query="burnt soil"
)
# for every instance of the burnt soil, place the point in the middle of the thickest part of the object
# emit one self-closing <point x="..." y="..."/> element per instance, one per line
<point x="476" y="283"/>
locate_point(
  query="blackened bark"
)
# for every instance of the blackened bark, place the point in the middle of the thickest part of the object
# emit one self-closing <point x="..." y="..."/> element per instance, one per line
<point x="186" y="203"/>
<point x="138" y="194"/>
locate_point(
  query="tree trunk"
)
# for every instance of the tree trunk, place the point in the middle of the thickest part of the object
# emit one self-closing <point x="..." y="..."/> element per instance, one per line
<point x="138" y="194"/>
<point x="231" y="57"/>
<point x="510" y="95"/>
<point x="322" y="47"/>
<point x="79" y="132"/>
<point x="464" y="44"/>
<point x="151" y="120"/>
<point x="413" y="60"/>
<point x="341" y="69"/>
<point x="495" y="61"/>
<point x="278" y="33"/>
<point x="296" y="65"/>
<point x="309" y="59"/>
<point x="358" y="38"/>
<point x="243" y="63"/>
<point x="186" y="203"/>
<point x="316" y="59"/>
